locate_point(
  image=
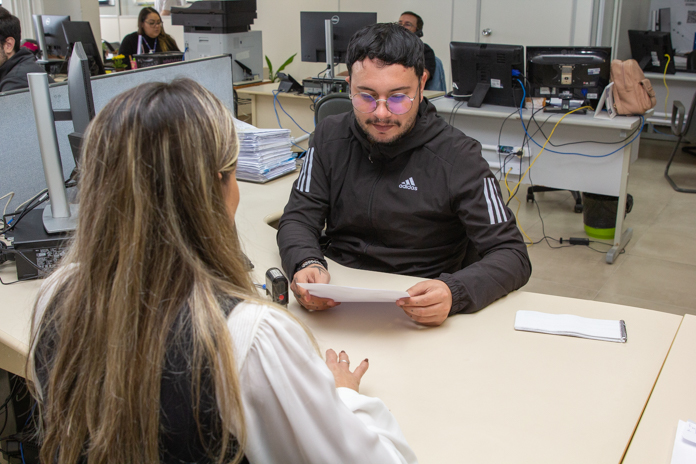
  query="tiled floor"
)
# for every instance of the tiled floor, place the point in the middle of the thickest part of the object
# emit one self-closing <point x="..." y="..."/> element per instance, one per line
<point x="658" y="269"/>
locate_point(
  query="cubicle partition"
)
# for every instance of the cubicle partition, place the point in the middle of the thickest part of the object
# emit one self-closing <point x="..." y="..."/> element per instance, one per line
<point x="20" y="158"/>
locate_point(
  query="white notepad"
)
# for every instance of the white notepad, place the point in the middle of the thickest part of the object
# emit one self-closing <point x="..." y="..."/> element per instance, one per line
<point x="573" y="326"/>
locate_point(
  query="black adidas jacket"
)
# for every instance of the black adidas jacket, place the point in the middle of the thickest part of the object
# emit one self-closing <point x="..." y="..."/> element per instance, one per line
<point x="409" y="208"/>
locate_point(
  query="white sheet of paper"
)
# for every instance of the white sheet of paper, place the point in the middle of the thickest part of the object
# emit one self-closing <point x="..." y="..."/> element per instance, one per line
<point x="342" y="294"/>
<point x="684" y="451"/>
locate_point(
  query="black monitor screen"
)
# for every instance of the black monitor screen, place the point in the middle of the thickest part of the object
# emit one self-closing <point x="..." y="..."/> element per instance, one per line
<point x="81" y="31"/>
<point x="344" y="26"/>
<point x="569" y="73"/>
<point x="487" y="65"/>
<point x="56" y="45"/>
<point x="649" y="48"/>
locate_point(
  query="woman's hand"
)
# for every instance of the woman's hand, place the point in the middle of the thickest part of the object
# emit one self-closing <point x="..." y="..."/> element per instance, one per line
<point x="340" y="368"/>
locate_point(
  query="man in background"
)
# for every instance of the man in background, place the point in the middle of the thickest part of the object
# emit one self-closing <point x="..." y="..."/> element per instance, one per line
<point x="15" y="62"/>
<point x="414" y="23"/>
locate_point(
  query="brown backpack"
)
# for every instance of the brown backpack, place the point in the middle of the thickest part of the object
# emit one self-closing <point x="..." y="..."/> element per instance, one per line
<point x="633" y="93"/>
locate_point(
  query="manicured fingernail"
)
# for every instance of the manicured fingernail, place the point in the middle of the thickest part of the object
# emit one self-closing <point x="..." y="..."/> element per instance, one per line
<point x="342" y="351"/>
<point x="367" y="360"/>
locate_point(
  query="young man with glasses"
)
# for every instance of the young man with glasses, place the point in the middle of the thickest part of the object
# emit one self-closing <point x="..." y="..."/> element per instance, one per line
<point x="400" y="191"/>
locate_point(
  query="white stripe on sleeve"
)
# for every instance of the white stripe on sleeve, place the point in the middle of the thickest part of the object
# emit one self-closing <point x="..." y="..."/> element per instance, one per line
<point x="499" y="199"/>
<point x="488" y="201"/>
<point x="492" y="193"/>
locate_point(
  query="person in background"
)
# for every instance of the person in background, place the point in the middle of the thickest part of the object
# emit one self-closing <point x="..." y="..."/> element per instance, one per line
<point x="164" y="6"/>
<point x="149" y="38"/>
<point x="150" y="342"/>
<point x="15" y="62"/>
<point x="414" y="23"/>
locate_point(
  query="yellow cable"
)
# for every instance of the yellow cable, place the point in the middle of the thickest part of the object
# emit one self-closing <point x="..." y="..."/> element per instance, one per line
<point x="519" y="203"/>
<point x="664" y="80"/>
<point x="547" y="141"/>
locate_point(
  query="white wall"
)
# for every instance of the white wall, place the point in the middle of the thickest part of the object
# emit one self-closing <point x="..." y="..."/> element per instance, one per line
<point x="79" y="10"/>
<point x="632" y="14"/>
<point x="445" y="21"/>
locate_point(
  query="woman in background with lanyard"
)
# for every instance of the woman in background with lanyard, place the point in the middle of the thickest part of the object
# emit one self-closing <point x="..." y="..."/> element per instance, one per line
<point x="149" y="38"/>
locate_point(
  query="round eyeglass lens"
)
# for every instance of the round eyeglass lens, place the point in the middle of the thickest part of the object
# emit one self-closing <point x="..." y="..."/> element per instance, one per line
<point x="364" y="103"/>
<point x="399" y="103"/>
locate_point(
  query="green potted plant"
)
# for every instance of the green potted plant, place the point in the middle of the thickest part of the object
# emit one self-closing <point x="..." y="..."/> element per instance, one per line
<point x="274" y="76"/>
<point x="118" y="62"/>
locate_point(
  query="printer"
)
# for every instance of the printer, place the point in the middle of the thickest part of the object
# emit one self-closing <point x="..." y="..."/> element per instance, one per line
<point x="223" y="27"/>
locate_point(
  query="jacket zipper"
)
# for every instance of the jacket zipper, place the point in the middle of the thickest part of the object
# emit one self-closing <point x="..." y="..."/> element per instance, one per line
<point x="369" y="205"/>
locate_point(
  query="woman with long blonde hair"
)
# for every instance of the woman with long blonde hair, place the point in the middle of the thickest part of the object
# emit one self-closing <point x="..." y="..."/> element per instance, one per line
<point x="150" y="343"/>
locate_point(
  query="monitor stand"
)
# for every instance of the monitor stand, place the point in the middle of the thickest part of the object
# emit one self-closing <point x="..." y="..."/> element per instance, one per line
<point x="478" y="95"/>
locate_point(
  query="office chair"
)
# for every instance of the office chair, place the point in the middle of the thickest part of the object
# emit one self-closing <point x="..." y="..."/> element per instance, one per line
<point x="683" y="130"/>
<point x="334" y="103"/>
<point x="437" y="82"/>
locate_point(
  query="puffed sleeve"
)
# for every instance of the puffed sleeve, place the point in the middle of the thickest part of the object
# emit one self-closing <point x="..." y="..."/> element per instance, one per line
<point x="295" y="414"/>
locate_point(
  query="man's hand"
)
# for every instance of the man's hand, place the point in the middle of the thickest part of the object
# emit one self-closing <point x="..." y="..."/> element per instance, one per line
<point x="340" y="368"/>
<point x="429" y="303"/>
<point x="312" y="274"/>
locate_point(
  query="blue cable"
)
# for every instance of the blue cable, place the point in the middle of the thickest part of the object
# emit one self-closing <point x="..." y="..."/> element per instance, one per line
<point x="642" y="124"/>
<point x="275" y="98"/>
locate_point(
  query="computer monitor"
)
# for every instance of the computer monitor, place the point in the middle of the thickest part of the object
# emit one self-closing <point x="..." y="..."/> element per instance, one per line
<point x="147" y="60"/>
<point x="81" y="31"/>
<point x="56" y="46"/>
<point x="80" y="91"/>
<point x="344" y="26"/>
<point x="649" y="48"/>
<point x="664" y="20"/>
<point x="482" y="73"/>
<point x="568" y="77"/>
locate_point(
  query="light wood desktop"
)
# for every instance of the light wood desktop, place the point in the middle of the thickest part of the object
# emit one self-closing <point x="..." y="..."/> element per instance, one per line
<point x="472" y="390"/>
<point x="606" y="175"/>
<point x="672" y="400"/>
<point x="298" y="106"/>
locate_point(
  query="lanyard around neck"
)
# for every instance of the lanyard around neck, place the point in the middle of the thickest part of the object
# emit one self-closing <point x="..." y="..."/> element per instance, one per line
<point x="142" y="41"/>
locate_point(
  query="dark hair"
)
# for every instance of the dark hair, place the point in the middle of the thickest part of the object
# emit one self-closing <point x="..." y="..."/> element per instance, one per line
<point x="10" y="27"/>
<point x="388" y="43"/>
<point x="167" y="42"/>
<point x="419" y="20"/>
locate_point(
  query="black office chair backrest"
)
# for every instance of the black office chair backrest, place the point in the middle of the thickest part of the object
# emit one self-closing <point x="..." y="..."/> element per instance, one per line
<point x="335" y="103"/>
<point x="689" y="129"/>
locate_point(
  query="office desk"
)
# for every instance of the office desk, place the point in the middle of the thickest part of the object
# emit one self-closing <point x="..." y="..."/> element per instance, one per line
<point x="473" y="390"/>
<point x="606" y="175"/>
<point x="673" y="399"/>
<point x="298" y="106"/>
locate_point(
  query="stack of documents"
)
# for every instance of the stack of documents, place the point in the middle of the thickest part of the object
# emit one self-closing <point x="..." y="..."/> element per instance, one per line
<point x="573" y="326"/>
<point x="264" y="154"/>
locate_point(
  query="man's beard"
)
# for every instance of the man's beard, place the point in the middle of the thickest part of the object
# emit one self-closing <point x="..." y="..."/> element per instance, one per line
<point x="407" y="126"/>
<point x="3" y="57"/>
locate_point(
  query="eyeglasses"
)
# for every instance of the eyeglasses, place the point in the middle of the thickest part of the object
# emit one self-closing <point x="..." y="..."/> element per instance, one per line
<point x="398" y="103"/>
<point x="153" y="23"/>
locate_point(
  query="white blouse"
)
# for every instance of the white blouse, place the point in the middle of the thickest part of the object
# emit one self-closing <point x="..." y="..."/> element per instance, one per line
<point x="294" y="412"/>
